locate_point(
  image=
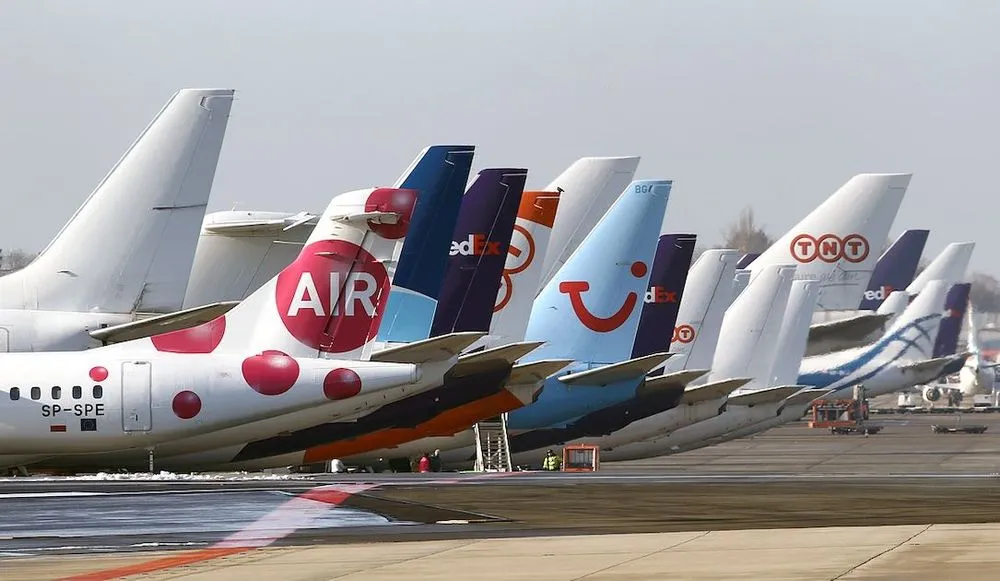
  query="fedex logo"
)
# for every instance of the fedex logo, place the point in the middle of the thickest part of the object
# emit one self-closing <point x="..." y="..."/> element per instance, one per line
<point x="660" y="295"/>
<point x="879" y="294"/>
<point x="475" y="245"/>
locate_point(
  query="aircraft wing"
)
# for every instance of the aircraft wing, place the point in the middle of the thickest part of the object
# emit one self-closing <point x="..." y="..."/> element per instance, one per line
<point x="931" y="367"/>
<point x="157" y="324"/>
<point x="845" y="333"/>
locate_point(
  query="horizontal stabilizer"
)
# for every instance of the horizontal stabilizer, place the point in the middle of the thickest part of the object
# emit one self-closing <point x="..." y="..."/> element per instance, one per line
<point x="807" y="395"/>
<point x="434" y="349"/>
<point x="162" y="323"/>
<point x="606" y="374"/>
<point x="929" y="365"/>
<point x="488" y="359"/>
<point x="844" y="333"/>
<point x="715" y="390"/>
<point x="374" y="217"/>
<point x="536" y="371"/>
<point x="762" y="396"/>
<point x="678" y="379"/>
<point x="261" y="225"/>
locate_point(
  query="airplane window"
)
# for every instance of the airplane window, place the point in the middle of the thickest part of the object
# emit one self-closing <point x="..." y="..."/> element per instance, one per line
<point x="77" y="392"/>
<point x="15" y="393"/>
<point x="98" y="392"/>
<point x="36" y="393"/>
<point x="56" y="392"/>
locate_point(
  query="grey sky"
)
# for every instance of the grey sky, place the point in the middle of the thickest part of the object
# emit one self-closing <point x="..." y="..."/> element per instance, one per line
<point x="771" y="103"/>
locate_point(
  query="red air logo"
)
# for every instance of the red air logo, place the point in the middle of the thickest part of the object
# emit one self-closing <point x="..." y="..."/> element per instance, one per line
<point x="333" y="296"/>
<point x="659" y="295"/>
<point x="683" y="334"/>
<point x="575" y="290"/>
<point x="879" y="294"/>
<point x="475" y="245"/>
<point x="830" y="248"/>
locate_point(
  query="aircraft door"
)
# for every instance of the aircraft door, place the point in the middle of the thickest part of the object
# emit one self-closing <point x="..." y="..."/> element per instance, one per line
<point x="137" y="415"/>
<point x="4" y="339"/>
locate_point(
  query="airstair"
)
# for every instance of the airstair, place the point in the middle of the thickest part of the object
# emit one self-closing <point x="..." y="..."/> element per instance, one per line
<point x="492" y="445"/>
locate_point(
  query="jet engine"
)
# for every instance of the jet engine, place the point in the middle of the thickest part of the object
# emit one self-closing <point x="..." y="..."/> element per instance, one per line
<point x="932" y="394"/>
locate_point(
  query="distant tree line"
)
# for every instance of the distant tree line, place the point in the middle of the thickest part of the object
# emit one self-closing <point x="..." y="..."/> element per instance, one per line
<point x="746" y="235"/>
<point x="16" y="259"/>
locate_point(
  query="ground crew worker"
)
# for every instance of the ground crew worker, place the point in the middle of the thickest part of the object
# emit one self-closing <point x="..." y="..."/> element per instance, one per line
<point x="552" y="462"/>
<point x="436" y="461"/>
<point x="424" y="465"/>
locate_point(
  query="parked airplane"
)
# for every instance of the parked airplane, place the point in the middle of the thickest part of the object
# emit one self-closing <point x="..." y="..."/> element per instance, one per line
<point x="286" y="349"/>
<point x="127" y="251"/>
<point x="900" y="359"/>
<point x="975" y="376"/>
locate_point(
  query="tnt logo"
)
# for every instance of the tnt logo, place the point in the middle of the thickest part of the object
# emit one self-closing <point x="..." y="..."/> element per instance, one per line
<point x="879" y="294"/>
<point x="660" y="295"/>
<point x="332" y="296"/>
<point x="830" y="248"/>
<point x="683" y="334"/>
<point x="475" y="245"/>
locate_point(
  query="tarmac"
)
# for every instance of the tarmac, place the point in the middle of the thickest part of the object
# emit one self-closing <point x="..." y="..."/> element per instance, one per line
<point x="794" y="503"/>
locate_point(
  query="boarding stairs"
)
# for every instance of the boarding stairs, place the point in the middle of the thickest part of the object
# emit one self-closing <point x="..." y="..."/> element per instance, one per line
<point x="492" y="445"/>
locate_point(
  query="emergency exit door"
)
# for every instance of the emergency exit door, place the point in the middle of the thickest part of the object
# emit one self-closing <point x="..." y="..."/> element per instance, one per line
<point x="137" y="387"/>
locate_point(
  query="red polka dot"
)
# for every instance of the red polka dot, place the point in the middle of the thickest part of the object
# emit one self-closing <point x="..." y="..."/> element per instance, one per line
<point x="186" y="405"/>
<point x="638" y="269"/>
<point x="341" y="383"/>
<point x="203" y="338"/>
<point x="270" y="372"/>
<point x="98" y="373"/>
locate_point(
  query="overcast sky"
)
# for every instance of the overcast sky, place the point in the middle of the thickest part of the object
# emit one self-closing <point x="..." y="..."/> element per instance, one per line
<point x="770" y="103"/>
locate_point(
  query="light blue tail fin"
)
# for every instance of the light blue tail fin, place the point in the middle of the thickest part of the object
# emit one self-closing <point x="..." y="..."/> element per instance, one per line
<point x="589" y="311"/>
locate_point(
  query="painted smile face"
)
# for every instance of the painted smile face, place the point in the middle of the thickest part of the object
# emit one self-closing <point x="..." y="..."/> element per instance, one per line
<point x="575" y="290"/>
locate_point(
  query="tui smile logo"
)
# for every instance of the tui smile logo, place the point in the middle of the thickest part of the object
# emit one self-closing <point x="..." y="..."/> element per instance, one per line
<point x="575" y="290"/>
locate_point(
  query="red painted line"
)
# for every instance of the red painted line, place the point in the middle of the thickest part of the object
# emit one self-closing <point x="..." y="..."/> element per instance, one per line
<point x="158" y="564"/>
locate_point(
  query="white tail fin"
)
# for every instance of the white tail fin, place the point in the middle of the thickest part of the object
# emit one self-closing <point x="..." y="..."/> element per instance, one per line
<point x="950" y="266"/>
<point x="130" y="246"/>
<point x="833" y="244"/>
<point x="330" y="299"/>
<point x="523" y="269"/>
<point x="707" y="294"/>
<point x="794" y="332"/>
<point x="588" y="189"/>
<point x="747" y="322"/>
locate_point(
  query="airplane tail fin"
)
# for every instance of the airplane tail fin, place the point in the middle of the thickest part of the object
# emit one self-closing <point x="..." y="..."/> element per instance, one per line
<point x="833" y="243"/>
<point x="955" y="305"/>
<point x="330" y="299"/>
<point x="708" y="293"/>
<point x="130" y="246"/>
<point x="588" y="188"/>
<point x="479" y="251"/>
<point x="912" y="335"/>
<point x="590" y="310"/>
<point x="791" y="344"/>
<point x="950" y="266"/>
<point x="523" y="268"/>
<point x="663" y="298"/>
<point x="895" y="269"/>
<point x="750" y="327"/>
<point x="440" y="173"/>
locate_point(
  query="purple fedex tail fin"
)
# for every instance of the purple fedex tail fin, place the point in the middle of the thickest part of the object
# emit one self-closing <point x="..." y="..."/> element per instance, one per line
<point x="895" y="269"/>
<point x="479" y="251"/>
<point x="663" y="299"/>
<point x="955" y="305"/>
